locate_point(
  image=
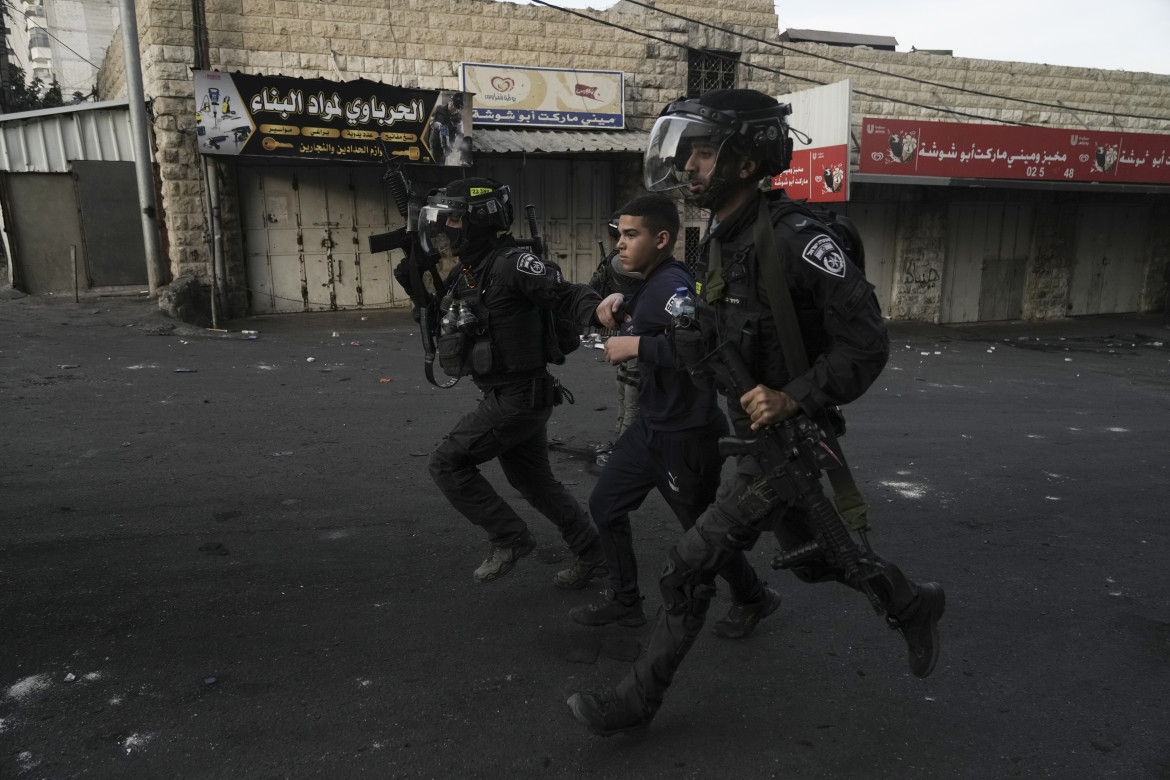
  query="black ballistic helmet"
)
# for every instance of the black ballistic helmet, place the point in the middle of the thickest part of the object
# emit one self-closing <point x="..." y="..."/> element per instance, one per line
<point x="740" y="121"/>
<point x="612" y="226"/>
<point x="483" y="206"/>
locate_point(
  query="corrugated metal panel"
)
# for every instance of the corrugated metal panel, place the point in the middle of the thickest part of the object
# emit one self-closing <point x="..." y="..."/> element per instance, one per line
<point x="558" y="141"/>
<point x="45" y="141"/>
<point x="822" y="113"/>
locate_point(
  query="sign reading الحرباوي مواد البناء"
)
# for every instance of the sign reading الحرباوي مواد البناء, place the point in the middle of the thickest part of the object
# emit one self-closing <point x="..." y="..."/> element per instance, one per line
<point x="545" y="97"/>
<point x="362" y="120"/>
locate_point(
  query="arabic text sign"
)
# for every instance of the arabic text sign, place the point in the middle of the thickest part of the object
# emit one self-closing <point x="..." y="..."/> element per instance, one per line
<point x="278" y="116"/>
<point x="820" y="169"/>
<point x="816" y="174"/>
<point x="545" y="97"/>
<point x="959" y="150"/>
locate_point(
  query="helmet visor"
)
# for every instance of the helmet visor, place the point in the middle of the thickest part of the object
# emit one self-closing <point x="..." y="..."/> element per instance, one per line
<point x="672" y="141"/>
<point x="436" y="233"/>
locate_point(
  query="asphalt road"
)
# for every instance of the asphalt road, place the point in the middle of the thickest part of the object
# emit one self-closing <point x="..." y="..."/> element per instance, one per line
<point x="221" y="556"/>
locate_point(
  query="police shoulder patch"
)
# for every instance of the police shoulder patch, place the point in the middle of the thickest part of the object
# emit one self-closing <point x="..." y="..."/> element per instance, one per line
<point x="530" y="264"/>
<point x="824" y="253"/>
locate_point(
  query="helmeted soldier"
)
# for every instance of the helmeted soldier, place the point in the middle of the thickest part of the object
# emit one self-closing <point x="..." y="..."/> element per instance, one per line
<point x="497" y="329"/>
<point x="719" y="148"/>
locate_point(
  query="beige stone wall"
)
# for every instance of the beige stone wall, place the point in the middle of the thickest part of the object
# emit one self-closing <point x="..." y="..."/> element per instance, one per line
<point x="410" y="44"/>
<point x="420" y="43"/>
<point x="111" y="76"/>
<point x="1095" y="99"/>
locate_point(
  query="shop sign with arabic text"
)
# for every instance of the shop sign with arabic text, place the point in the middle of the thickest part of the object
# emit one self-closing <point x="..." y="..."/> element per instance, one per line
<point x="819" y="171"/>
<point x="545" y="97"/>
<point x="970" y="151"/>
<point x="816" y="175"/>
<point x="283" y="117"/>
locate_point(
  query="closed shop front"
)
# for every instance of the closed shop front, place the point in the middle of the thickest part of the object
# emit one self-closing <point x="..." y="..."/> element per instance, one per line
<point x="1112" y="251"/>
<point x="986" y="262"/>
<point x="306" y="232"/>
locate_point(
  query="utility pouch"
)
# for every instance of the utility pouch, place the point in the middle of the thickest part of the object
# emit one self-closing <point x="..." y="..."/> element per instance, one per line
<point x="742" y="327"/>
<point x="481" y="357"/>
<point x="690" y="348"/>
<point x="451" y="350"/>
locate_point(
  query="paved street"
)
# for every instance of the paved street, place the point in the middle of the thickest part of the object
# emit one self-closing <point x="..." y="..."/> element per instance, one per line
<point x="221" y="556"/>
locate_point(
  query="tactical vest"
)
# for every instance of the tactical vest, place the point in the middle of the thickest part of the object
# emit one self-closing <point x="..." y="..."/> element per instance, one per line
<point x="502" y="343"/>
<point x="744" y="315"/>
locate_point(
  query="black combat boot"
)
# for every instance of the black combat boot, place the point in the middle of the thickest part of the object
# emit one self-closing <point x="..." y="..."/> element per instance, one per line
<point x="742" y="619"/>
<point x="605" y="714"/>
<point x="919" y="627"/>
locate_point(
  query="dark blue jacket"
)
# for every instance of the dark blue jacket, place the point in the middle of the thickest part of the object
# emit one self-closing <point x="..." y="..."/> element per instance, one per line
<point x="667" y="399"/>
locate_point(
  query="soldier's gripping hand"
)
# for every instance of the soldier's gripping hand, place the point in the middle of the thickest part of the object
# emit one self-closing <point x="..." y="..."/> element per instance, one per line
<point x="607" y="310"/>
<point x="767" y="406"/>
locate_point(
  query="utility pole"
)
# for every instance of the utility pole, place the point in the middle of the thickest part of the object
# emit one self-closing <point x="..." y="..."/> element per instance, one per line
<point x="140" y="132"/>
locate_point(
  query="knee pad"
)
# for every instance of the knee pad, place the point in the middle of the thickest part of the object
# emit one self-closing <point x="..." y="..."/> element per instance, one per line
<point x="685" y="591"/>
<point x="751" y="511"/>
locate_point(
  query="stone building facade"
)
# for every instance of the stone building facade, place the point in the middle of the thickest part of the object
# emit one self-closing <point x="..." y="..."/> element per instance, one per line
<point x="411" y="43"/>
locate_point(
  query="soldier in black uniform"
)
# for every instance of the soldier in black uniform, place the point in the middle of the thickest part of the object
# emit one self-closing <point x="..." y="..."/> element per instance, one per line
<point x="498" y="329"/>
<point x="719" y="147"/>
<point x="672" y="443"/>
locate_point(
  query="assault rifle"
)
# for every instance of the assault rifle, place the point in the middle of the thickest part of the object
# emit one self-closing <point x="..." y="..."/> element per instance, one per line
<point x="417" y="273"/>
<point x="793" y="454"/>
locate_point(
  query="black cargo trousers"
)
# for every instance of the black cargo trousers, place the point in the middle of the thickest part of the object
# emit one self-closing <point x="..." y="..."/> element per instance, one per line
<point x="510" y="425"/>
<point x="745" y="507"/>
<point x="685" y="467"/>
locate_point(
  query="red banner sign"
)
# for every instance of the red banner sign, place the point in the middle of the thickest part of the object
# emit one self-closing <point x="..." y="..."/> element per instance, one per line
<point x="816" y="174"/>
<point x="968" y="151"/>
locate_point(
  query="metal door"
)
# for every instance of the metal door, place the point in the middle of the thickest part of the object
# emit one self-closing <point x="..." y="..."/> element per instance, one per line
<point x="1001" y="292"/>
<point x="1110" y="258"/>
<point x="115" y="251"/>
<point x="573" y="201"/>
<point x="305" y="239"/>
<point x="45" y="226"/>
<point x="878" y="225"/>
<point x="987" y="257"/>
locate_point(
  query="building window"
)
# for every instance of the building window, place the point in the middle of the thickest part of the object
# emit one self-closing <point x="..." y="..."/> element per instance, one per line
<point x="707" y="70"/>
<point x="38" y="38"/>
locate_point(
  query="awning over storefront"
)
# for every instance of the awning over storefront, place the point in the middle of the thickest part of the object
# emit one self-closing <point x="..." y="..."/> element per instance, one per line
<point x="557" y="141"/>
<point x="1008" y="184"/>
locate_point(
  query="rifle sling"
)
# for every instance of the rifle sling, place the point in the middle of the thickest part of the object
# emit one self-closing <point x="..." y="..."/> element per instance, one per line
<point x="849" y="499"/>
